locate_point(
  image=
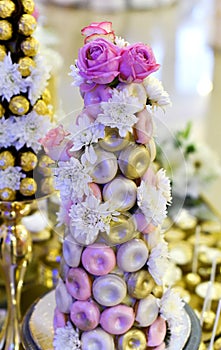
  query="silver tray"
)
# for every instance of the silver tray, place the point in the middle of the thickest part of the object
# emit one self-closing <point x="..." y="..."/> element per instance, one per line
<point x="37" y="328"/>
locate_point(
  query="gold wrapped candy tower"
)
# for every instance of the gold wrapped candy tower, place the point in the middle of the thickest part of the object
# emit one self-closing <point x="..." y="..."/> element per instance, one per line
<point x="25" y="110"/>
<point x="113" y="292"/>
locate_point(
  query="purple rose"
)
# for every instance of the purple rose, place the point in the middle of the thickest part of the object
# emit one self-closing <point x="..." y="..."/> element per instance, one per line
<point x="98" y="61"/>
<point x="137" y="62"/>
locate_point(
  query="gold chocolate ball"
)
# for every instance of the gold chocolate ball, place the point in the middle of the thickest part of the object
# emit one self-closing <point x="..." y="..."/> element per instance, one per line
<point x="30" y="46"/>
<point x="140" y="284"/>
<point x="7" y="194"/>
<point x="217" y="344"/>
<point x="28" y="186"/>
<point x="19" y="105"/>
<point x="5" y="30"/>
<point x="40" y="107"/>
<point x="44" y="165"/>
<point x="2" y="52"/>
<point x="28" y="6"/>
<point x="112" y="141"/>
<point x="2" y="111"/>
<point x="7" y="7"/>
<point x="46" y="96"/>
<point x="28" y="161"/>
<point x="208" y="320"/>
<point x="157" y="291"/>
<point x="47" y="185"/>
<point x="25" y="66"/>
<point x="192" y="280"/>
<point x="6" y="160"/>
<point x="204" y="347"/>
<point x="27" y="24"/>
<point x="134" y="161"/>
<point x="121" y="230"/>
<point x="133" y="339"/>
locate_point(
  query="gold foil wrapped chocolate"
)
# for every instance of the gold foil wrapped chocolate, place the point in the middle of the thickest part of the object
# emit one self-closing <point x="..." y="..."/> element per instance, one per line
<point x="7" y="194"/>
<point x="19" y="105"/>
<point x="5" y="30"/>
<point x="28" y="6"/>
<point x="134" y="161"/>
<point x="28" y="161"/>
<point x="6" y="160"/>
<point x="25" y="66"/>
<point x="46" y="96"/>
<point x="2" y="111"/>
<point x="7" y="7"/>
<point x="27" y="24"/>
<point x="2" y="52"/>
<point x="133" y="337"/>
<point x="28" y="187"/>
<point x="44" y="165"/>
<point x="40" y="107"/>
<point x="30" y="46"/>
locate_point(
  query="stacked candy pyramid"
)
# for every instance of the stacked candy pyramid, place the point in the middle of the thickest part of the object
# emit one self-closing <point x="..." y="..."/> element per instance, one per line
<point x="112" y="293"/>
<point x="25" y="110"/>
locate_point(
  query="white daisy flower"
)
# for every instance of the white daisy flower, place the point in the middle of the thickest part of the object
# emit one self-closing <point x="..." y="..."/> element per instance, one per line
<point x="67" y="338"/>
<point x="158" y="262"/>
<point x="120" y="42"/>
<point x="11" y="177"/>
<point x="11" y="82"/>
<point x="171" y="307"/>
<point x="163" y="184"/>
<point x="155" y="92"/>
<point x="38" y="79"/>
<point x="31" y="128"/>
<point x="85" y="134"/>
<point x="152" y="203"/>
<point x="119" y="111"/>
<point x="7" y="132"/>
<point x="90" y="217"/>
<point x="77" y="78"/>
<point x="71" y="179"/>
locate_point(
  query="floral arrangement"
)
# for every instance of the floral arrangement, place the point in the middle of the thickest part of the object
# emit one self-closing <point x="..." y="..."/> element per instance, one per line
<point x="25" y="109"/>
<point x="112" y="198"/>
<point x="186" y="162"/>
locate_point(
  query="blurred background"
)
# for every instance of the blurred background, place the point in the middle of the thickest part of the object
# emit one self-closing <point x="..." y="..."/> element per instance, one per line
<point x="186" y="39"/>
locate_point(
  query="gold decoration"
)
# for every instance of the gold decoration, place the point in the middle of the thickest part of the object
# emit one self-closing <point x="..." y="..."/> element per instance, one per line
<point x="5" y="30"/>
<point x="46" y="96"/>
<point x="28" y="186"/>
<point x="2" y="52"/>
<point x="30" y="46"/>
<point x="29" y="6"/>
<point x="2" y="111"/>
<point x="44" y="165"/>
<point x="28" y="161"/>
<point x="112" y="141"/>
<point x="192" y="280"/>
<point x="27" y="24"/>
<point x="19" y="105"/>
<point x="121" y="230"/>
<point x="7" y="7"/>
<point x="7" y="194"/>
<point x="132" y="339"/>
<point x="134" y="161"/>
<point x="6" y="160"/>
<point x="25" y="66"/>
<point x="140" y="284"/>
<point x="40" y="107"/>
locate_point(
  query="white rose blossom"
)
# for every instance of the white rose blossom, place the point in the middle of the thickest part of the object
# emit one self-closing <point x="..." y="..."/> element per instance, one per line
<point x="67" y="338"/>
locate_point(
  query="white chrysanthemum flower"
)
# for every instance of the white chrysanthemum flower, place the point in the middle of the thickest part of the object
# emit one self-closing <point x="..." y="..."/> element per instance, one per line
<point x="71" y="179"/>
<point x="90" y="217"/>
<point x="7" y="132"/>
<point x="152" y="203"/>
<point x="119" y="111"/>
<point x="67" y="338"/>
<point x="171" y="307"/>
<point x="163" y="184"/>
<point x="77" y="78"/>
<point x="153" y="238"/>
<point x="85" y="134"/>
<point x="155" y="92"/>
<point x="38" y="79"/>
<point x="120" y="42"/>
<point x="11" y="82"/>
<point x="30" y="129"/>
<point x="11" y="177"/>
<point x="158" y="262"/>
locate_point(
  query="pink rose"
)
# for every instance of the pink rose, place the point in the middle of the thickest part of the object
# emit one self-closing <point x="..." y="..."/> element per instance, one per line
<point x="98" y="61"/>
<point x="101" y="93"/>
<point x="137" y="62"/>
<point x="143" y="129"/>
<point x="98" y="30"/>
<point x="56" y="145"/>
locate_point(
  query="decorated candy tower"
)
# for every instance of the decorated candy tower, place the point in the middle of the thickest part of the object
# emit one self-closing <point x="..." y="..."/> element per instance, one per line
<point x="25" y="110"/>
<point x="112" y="292"/>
